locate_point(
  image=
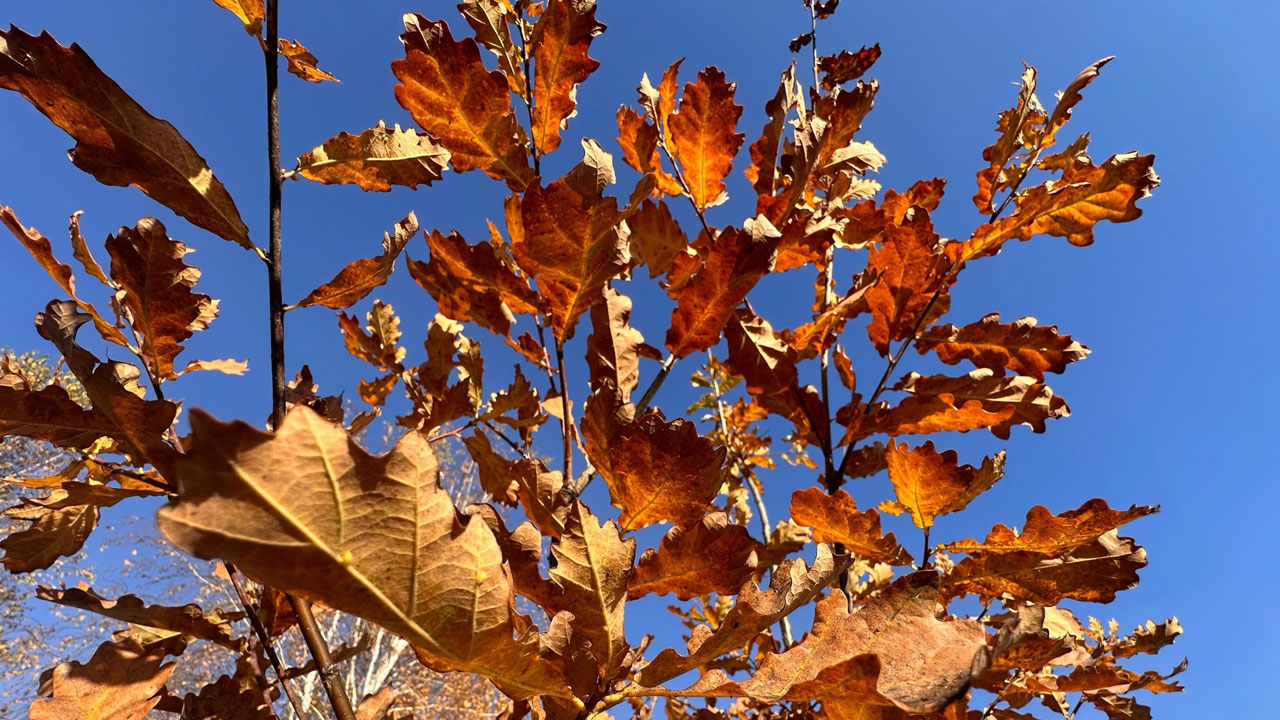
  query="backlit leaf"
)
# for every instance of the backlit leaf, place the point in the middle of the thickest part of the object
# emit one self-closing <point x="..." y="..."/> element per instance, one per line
<point x="250" y="12"/>
<point x="713" y="556"/>
<point x="1020" y="346"/>
<point x="913" y="280"/>
<point x="188" y="619"/>
<point x="560" y="42"/>
<point x="835" y="519"/>
<point x="302" y="63"/>
<point x="376" y="159"/>
<point x="1094" y="572"/>
<point x="614" y="348"/>
<point x="471" y="283"/>
<point x="117" y="141"/>
<point x="702" y="131"/>
<point x="1051" y="534"/>
<point x="360" y="277"/>
<point x="734" y="263"/>
<point x="118" y="683"/>
<point x="928" y="483"/>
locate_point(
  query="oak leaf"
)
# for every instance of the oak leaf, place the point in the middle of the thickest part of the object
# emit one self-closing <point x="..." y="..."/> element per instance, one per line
<point x="734" y="263"/>
<point x="472" y="283"/>
<point x="373" y="536"/>
<point x="713" y="556"/>
<point x="571" y="243"/>
<point x="55" y="533"/>
<point x="702" y="132"/>
<point x="460" y="103"/>
<point x="360" y="277"/>
<point x="118" y="683"/>
<point x="791" y="585"/>
<point x="656" y="237"/>
<point x="980" y="399"/>
<point x="117" y="141"/>
<point x="845" y="66"/>
<point x="639" y="138"/>
<point x="928" y="483"/>
<point x="250" y="12"/>
<point x="1019" y="346"/>
<point x="835" y="519"/>
<point x="560" y="41"/>
<point x="763" y="170"/>
<point x="1093" y="572"/>
<point x="302" y="63"/>
<point x="614" y="347"/>
<point x="189" y="619"/>
<point x="225" y="699"/>
<point x="491" y="20"/>
<point x="1051" y="534"/>
<point x="914" y="275"/>
<point x="164" y="310"/>
<point x="376" y="159"/>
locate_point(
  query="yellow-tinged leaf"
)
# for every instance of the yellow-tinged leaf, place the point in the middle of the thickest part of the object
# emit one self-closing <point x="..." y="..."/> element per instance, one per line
<point x="929" y="483"/>
<point x="373" y="536"/>
<point x="560" y="42"/>
<point x="302" y="63"/>
<point x="250" y="12"/>
<point x="702" y="132"/>
<point x="360" y="277"/>
<point x="117" y="141"/>
<point x="376" y="159"/>
<point x="119" y="682"/>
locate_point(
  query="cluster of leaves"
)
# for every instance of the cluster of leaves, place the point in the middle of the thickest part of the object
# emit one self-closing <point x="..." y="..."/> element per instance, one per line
<point x="305" y="510"/>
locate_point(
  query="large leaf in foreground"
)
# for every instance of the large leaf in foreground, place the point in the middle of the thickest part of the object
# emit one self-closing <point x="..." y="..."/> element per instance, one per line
<point x="373" y="536"/>
<point x="117" y="141"/>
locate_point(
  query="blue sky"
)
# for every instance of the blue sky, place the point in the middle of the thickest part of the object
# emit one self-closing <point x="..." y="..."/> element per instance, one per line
<point x="1174" y="406"/>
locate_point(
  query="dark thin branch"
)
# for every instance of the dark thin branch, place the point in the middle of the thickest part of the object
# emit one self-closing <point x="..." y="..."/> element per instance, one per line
<point x="264" y="638"/>
<point x="656" y="383"/>
<point x="813" y="39"/>
<point x="306" y="620"/>
<point x="566" y="420"/>
<point x="528" y="97"/>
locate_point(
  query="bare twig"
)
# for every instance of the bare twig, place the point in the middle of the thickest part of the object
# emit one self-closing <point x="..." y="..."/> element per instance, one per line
<point x="264" y="638"/>
<point x="656" y="383"/>
<point x="566" y="420"/>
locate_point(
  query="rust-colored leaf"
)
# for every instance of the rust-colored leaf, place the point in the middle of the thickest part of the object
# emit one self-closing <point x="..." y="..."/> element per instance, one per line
<point x="1019" y="346"/>
<point x="117" y="141"/>
<point x="55" y="533"/>
<point x="467" y="108"/>
<point x="302" y="63"/>
<point x="844" y="66"/>
<point x="1070" y="206"/>
<point x="763" y="171"/>
<point x="560" y="42"/>
<point x="472" y="283"/>
<point x="656" y="238"/>
<point x="373" y="536"/>
<point x="378" y="342"/>
<point x="51" y="415"/>
<point x="791" y="585"/>
<point x="893" y="651"/>
<point x="914" y="274"/>
<point x="614" y="348"/>
<point x="491" y="21"/>
<point x="713" y="556"/>
<point x="658" y="470"/>
<point x="702" y="131"/>
<point x="1016" y="128"/>
<point x="639" y="141"/>
<point x="225" y="699"/>
<point x="571" y="244"/>
<point x="376" y="159"/>
<point x="118" y="683"/>
<point x="158" y="292"/>
<point x="1093" y="572"/>
<point x="929" y="483"/>
<point x="360" y="277"/>
<point x="1051" y="534"/>
<point x="978" y="400"/>
<point x="812" y="339"/>
<point x="734" y="263"/>
<point x="188" y="619"/>
<point x="835" y="519"/>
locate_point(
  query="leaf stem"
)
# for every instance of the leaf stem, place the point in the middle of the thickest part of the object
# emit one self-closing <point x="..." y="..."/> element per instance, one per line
<point x="566" y="421"/>
<point x="656" y="383"/>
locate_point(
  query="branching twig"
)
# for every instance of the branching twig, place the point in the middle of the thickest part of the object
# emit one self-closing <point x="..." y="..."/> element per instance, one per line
<point x="264" y="638"/>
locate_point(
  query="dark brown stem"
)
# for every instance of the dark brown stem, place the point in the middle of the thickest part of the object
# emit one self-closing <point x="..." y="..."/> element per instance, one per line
<point x="566" y="422"/>
<point x="306" y="621"/>
<point x="658" y="379"/>
<point x="528" y="97"/>
<point x="264" y="638"/>
<point x="498" y="432"/>
<point x="924" y="559"/>
<point x="813" y="39"/>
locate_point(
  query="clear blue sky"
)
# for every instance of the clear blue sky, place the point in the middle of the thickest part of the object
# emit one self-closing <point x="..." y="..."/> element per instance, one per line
<point x="1175" y="406"/>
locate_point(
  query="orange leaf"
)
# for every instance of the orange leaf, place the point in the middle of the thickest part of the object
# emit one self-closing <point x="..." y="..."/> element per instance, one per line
<point x="841" y="68"/>
<point x="929" y="483"/>
<point x="762" y="172"/>
<point x="376" y="159"/>
<point x="1051" y="534"/>
<point x="472" y="283"/>
<point x="614" y="348"/>
<point x="119" y="682"/>
<point x="1069" y="207"/>
<point x="1019" y="346"/>
<point x="147" y="265"/>
<point x="560" y="41"/>
<point x="656" y="238"/>
<point x="702" y="131"/>
<point x="302" y="63"/>
<point x="914" y="275"/>
<point x="571" y="244"/>
<point x="1016" y="126"/>
<point x="117" y="141"/>
<point x="360" y="277"/>
<point x="639" y="141"/>
<point x="250" y="12"/>
<point x="451" y="95"/>
<point x="733" y="265"/>
<point x="713" y="556"/>
<point x="1094" y="572"/>
<point x="835" y="519"/>
<point x="980" y="399"/>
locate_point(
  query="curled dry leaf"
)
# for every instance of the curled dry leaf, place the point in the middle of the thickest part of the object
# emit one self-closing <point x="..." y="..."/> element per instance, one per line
<point x="1051" y="534"/>
<point x="835" y="519"/>
<point x="373" y="536"/>
<point x="1092" y="572"/>
<point x="189" y="619"/>
<point x="376" y="159"/>
<point x="1019" y="346"/>
<point x="360" y="277"/>
<point x="225" y="699"/>
<point x="117" y="141"/>
<point x="250" y="12"/>
<point x="614" y="348"/>
<point x="302" y="63"/>
<point x="119" y="682"/>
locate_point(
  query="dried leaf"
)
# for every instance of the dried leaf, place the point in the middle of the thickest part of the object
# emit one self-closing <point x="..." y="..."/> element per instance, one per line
<point x="928" y="483"/>
<point x="225" y="699"/>
<point x="980" y="399"/>
<point x="713" y="556"/>
<point x="471" y="283"/>
<point x="1051" y="534"/>
<point x="845" y="66"/>
<point x="614" y="348"/>
<point x="1020" y="346"/>
<point x="702" y="131"/>
<point x="250" y="12"/>
<point x="302" y="63"/>
<point x="360" y="277"/>
<point x="117" y="141"/>
<point x="835" y="519"/>
<point x="734" y="263"/>
<point x="399" y="556"/>
<point x="914" y="275"/>
<point x="467" y="108"/>
<point x="118" y="683"/>
<point x="560" y="42"/>
<point x="376" y="159"/>
<point x="188" y="619"/>
<point x="656" y="237"/>
<point x="1093" y="572"/>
